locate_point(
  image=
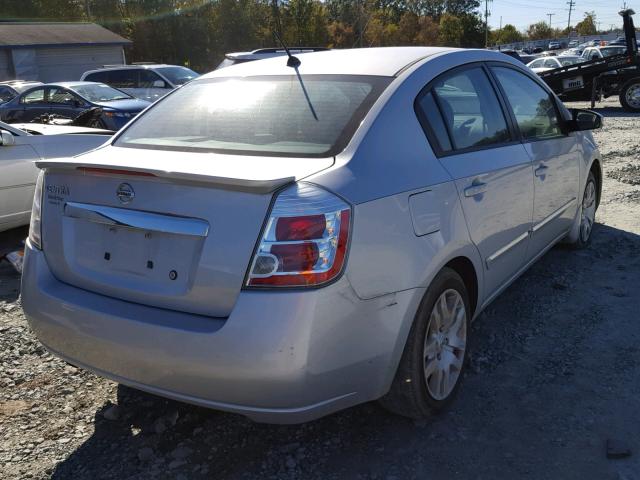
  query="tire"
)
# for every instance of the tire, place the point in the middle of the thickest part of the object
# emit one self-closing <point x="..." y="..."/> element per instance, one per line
<point x="587" y="213"/>
<point x="630" y="95"/>
<point x="410" y="394"/>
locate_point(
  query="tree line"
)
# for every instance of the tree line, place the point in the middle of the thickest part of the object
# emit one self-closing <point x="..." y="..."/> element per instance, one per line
<point x="197" y="33"/>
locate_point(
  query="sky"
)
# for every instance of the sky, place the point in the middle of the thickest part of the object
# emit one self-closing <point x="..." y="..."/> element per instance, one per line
<point x="523" y="13"/>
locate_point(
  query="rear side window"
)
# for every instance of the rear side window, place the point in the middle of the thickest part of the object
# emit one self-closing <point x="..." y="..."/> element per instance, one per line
<point x="550" y="63"/>
<point x="429" y="114"/>
<point x="534" y="109"/>
<point x="100" y="77"/>
<point x="126" y="78"/>
<point x="470" y="109"/>
<point x="307" y="116"/>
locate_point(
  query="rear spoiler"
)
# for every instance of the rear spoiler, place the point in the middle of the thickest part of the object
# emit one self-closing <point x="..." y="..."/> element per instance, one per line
<point x="237" y="176"/>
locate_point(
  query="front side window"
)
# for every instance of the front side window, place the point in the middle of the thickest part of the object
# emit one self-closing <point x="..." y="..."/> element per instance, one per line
<point x="178" y="75"/>
<point x="470" y="109"/>
<point x="551" y="63"/>
<point x="34" y="96"/>
<point x="533" y="108"/>
<point x="149" y="79"/>
<point x="307" y="116"/>
<point x="536" y="64"/>
<point x="61" y="96"/>
<point x="6" y="94"/>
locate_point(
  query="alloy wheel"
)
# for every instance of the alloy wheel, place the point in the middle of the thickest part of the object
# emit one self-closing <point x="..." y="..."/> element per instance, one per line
<point x="588" y="210"/>
<point x="632" y="95"/>
<point x="445" y="344"/>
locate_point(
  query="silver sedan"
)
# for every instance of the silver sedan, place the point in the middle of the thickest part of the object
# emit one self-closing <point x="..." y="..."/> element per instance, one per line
<point x="290" y="237"/>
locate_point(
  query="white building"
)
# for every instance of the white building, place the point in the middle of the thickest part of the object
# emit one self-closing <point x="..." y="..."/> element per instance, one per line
<point x="54" y="52"/>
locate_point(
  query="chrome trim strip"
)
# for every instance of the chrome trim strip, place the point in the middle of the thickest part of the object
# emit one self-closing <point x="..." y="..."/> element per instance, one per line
<point x="553" y="216"/>
<point x="501" y="288"/>
<point x="137" y="219"/>
<point x="18" y="186"/>
<point x="507" y="247"/>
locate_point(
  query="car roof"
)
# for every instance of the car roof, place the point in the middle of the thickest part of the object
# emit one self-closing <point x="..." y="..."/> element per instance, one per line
<point x="68" y="84"/>
<point x="131" y="66"/>
<point x="380" y="61"/>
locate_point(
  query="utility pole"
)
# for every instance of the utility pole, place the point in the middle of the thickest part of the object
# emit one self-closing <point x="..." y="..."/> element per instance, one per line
<point x="571" y="4"/>
<point x="550" y="15"/>
<point x="486" y="23"/>
<point x="500" y="22"/>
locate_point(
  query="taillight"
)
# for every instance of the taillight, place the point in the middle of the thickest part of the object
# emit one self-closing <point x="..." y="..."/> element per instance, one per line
<point x="305" y="240"/>
<point x="35" y="225"/>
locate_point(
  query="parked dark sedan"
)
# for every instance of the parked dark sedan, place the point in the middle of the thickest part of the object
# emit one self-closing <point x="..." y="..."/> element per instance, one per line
<point x="69" y="99"/>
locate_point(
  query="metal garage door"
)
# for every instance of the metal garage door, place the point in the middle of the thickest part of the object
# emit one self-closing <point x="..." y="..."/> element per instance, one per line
<point x="69" y="63"/>
<point x="6" y="70"/>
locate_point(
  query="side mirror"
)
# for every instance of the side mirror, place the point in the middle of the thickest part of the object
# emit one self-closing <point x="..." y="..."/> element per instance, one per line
<point x="7" y="139"/>
<point x="584" y="120"/>
<point x="159" y="84"/>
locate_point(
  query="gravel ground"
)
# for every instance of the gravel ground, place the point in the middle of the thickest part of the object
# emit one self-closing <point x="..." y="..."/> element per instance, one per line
<point x="553" y="379"/>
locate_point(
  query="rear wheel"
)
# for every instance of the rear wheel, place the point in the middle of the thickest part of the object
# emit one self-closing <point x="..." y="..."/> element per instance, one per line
<point x="435" y="353"/>
<point x="630" y="95"/>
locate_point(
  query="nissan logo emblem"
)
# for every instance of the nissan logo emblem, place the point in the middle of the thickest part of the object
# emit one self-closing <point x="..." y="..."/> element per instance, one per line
<point x="125" y="193"/>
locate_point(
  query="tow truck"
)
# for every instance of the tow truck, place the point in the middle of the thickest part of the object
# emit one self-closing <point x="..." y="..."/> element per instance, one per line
<point x="602" y="77"/>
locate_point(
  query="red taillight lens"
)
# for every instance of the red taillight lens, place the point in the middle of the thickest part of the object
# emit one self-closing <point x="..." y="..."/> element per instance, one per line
<point x="305" y="241"/>
<point x="296" y="257"/>
<point x="300" y="228"/>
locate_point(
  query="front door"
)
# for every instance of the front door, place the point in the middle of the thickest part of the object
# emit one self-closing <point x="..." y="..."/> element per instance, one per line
<point x="491" y="169"/>
<point x="64" y="102"/>
<point x="555" y="157"/>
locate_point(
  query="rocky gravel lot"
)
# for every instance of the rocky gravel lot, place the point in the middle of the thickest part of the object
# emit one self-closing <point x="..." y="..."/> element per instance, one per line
<point x="553" y="379"/>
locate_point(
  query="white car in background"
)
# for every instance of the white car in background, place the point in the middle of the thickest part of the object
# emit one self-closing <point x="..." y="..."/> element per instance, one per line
<point x="147" y="81"/>
<point x="20" y="146"/>
<point x="593" y="53"/>
<point x="549" y="63"/>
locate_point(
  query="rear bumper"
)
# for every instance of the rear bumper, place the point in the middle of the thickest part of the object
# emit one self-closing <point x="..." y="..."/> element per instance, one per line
<point x="281" y="357"/>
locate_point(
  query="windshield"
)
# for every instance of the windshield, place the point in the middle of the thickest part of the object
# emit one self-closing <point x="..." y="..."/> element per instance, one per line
<point x="177" y="75"/>
<point x="272" y="115"/>
<point x="100" y="92"/>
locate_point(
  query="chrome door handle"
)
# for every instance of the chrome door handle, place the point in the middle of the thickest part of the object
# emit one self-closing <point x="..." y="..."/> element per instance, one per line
<point x="540" y="170"/>
<point x="475" y="189"/>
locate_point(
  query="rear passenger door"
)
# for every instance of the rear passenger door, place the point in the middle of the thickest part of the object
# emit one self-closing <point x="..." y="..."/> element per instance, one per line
<point x="554" y="154"/>
<point x="32" y="105"/>
<point x="472" y="135"/>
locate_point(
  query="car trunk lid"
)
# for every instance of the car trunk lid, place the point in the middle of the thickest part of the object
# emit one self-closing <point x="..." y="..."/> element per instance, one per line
<point x="173" y="230"/>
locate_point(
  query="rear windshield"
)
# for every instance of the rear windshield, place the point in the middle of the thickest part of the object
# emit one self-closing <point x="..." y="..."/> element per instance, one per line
<point x="307" y="116"/>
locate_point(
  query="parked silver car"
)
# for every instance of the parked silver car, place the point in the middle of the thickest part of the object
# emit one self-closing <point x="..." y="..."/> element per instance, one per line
<point x="284" y="242"/>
